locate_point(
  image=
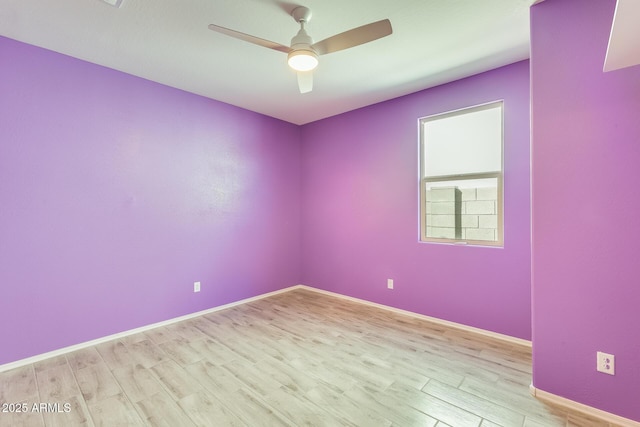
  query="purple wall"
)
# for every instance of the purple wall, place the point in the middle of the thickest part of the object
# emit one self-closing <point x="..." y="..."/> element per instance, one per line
<point x="586" y="170"/>
<point x="117" y="193"/>
<point x="360" y="208"/>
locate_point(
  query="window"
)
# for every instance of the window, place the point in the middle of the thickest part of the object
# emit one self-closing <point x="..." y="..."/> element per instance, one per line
<point x="461" y="176"/>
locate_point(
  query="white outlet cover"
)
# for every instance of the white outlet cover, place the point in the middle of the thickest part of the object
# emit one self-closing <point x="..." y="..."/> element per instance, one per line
<point x="389" y="283"/>
<point x="606" y="363"/>
<point x="196" y="286"/>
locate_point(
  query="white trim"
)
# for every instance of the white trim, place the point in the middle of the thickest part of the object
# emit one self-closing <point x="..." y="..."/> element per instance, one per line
<point x="43" y="356"/>
<point x="69" y="349"/>
<point x="539" y="394"/>
<point x="582" y="408"/>
<point x="447" y="323"/>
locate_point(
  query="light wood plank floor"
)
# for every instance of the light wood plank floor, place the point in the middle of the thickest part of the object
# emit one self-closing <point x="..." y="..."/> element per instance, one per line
<point x="295" y="359"/>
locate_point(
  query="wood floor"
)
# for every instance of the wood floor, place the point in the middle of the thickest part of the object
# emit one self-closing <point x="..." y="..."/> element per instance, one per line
<point x="295" y="359"/>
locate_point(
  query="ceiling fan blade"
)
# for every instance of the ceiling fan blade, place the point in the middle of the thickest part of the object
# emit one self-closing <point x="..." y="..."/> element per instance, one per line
<point x="305" y="81"/>
<point x="249" y="38"/>
<point x="354" y="37"/>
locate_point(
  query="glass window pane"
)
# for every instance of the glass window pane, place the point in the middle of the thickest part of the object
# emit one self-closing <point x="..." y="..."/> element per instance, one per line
<point x="470" y="142"/>
<point x="465" y="209"/>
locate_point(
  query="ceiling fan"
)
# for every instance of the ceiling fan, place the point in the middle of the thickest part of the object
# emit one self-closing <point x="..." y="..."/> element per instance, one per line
<point x="303" y="54"/>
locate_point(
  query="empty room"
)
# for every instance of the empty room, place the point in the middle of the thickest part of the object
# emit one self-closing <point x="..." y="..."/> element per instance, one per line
<point x="364" y="213"/>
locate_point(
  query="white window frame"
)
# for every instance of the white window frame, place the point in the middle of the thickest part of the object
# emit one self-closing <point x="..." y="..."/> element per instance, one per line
<point x="498" y="175"/>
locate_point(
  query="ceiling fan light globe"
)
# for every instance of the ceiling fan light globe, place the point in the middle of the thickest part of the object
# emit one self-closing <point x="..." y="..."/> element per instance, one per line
<point x="302" y="60"/>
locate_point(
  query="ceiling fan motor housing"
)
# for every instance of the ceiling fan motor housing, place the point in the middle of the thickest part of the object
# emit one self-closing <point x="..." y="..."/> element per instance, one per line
<point x="302" y="56"/>
<point x="302" y="39"/>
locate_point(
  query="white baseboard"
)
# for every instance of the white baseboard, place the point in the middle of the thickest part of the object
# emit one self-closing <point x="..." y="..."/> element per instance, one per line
<point x="69" y="349"/>
<point x="582" y="408"/>
<point x="447" y="323"/>
<point x="540" y="394"/>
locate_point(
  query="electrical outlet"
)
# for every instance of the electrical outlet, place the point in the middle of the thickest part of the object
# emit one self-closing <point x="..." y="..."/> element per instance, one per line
<point x="196" y="286"/>
<point x="389" y="283"/>
<point x="606" y="363"/>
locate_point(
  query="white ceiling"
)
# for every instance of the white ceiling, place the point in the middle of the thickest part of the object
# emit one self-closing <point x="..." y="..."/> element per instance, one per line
<point x="167" y="41"/>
